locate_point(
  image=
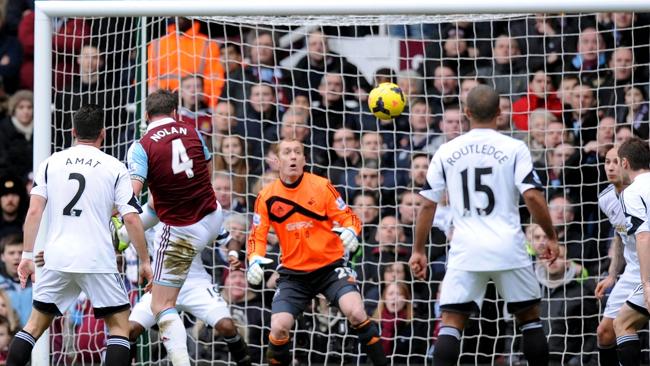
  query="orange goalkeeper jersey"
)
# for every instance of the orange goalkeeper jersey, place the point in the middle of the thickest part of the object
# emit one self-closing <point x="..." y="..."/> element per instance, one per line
<point x="302" y="215"/>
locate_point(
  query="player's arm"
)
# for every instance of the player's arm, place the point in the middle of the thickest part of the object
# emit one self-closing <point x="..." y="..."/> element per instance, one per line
<point x="206" y="153"/>
<point x="256" y="248"/>
<point x="349" y="224"/>
<point x="643" y="251"/>
<point x="138" y="167"/>
<point x="530" y="187"/>
<point x="127" y="205"/>
<point x="616" y="265"/>
<point x="37" y="204"/>
<point x="431" y="194"/>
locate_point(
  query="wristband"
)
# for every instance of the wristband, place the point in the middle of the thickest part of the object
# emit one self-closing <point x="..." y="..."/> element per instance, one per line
<point x="28" y="255"/>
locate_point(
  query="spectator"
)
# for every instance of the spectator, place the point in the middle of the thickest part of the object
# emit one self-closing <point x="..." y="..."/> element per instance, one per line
<point x="445" y="89"/>
<point x="12" y="205"/>
<point x="543" y="127"/>
<point x="222" y="186"/>
<point x="365" y="206"/>
<point x="372" y="148"/>
<point x="418" y="171"/>
<point x="259" y="122"/>
<point x="466" y="85"/>
<point x="541" y="94"/>
<point x="231" y="158"/>
<point x="404" y="337"/>
<point x="582" y="119"/>
<point x="263" y="65"/>
<point x="412" y="85"/>
<point x="565" y="90"/>
<point x="11" y="248"/>
<point x="9" y="312"/>
<point x="569" y="311"/>
<point x="16" y="133"/>
<point x="622" y="133"/>
<point x="452" y="125"/>
<point x="590" y="60"/>
<point x="70" y="35"/>
<point x="507" y="74"/>
<point x="558" y="170"/>
<point x="193" y="110"/>
<point x="331" y="109"/>
<point x="252" y="318"/>
<point x="5" y="339"/>
<point x="184" y="50"/>
<point x="344" y="154"/>
<point x="389" y="248"/>
<point x="542" y="43"/>
<point x="369" y="178"/>
<point x="579" y="247"/>
<point x="11" y="55"/>
<point x="395" y="272"/>
<point x="91" y="85"/>
<point x="504" y="120"/>
<point x="619" y="77"/>
<point x="636" y="111"/>
<point x="224" y="123"/>
<point x="420" y="136"/>
<point x="265" y="179"/>
<point x="456" y="51"/>
<point x="26" y="39"/>
<point x="320" y="60"/>
<point x="624" y="30"/>
<point x="239" y="76"/>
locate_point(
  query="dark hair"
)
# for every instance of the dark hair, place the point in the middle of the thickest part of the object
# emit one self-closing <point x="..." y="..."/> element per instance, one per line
<point x="11" y="239"/>
<point x="161" y="102"/>
<point x="483" y="103"/>
<point x="88" y="121"/>
<point x="636" y="152"/>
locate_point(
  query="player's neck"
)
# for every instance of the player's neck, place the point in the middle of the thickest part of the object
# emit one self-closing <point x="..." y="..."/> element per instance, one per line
<point x="96" y="143"/>
<point x="291" y="181"/>
<point x="636" y="173"/>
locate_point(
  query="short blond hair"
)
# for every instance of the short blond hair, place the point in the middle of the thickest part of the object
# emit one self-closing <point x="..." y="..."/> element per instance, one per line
<point x="18" y="97"/>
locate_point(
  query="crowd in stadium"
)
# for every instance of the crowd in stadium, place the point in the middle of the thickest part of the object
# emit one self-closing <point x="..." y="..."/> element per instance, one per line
<point x="571" y="86"/>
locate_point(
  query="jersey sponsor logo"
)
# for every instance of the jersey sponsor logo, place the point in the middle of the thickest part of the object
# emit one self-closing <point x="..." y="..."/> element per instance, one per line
<point x="257" y="219"/>
<point x="340" y="203"/>
<point x="299" y="225"/>
<point x="280" y="208"/>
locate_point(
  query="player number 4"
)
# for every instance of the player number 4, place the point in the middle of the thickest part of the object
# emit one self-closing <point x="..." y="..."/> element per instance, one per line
<point x="180" y="161"/>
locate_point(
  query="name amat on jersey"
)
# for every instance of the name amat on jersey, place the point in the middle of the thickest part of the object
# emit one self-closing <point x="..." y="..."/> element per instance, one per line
<point x="489" y="150"/>
<point x="82" y="161"/>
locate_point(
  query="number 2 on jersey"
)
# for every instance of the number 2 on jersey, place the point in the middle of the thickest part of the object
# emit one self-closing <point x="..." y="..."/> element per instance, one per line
<point x="67" y="210"/>
<point x="180" y="161"/>
<point x="478" y="187"/>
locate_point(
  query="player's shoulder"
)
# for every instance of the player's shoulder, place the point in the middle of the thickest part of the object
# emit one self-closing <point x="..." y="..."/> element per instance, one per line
<point x="607" y="195"/>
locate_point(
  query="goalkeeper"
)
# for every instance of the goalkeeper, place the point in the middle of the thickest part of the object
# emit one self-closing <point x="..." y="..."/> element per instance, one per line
<point x="302" y="208"/>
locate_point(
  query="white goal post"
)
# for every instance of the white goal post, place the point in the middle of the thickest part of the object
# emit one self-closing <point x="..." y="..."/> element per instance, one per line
<point x="46" y="11"/>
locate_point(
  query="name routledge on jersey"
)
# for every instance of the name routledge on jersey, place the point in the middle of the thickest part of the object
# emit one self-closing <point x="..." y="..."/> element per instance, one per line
<point x="82" y="161"/>
<point x="156" y="136"/>
<point x="489" y="150"/>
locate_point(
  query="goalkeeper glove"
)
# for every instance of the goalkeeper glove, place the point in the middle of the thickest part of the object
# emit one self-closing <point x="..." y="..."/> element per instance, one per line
<point x="348" y="238"/>
<point x="255" y="272"/>
<point x="120" y="236"/>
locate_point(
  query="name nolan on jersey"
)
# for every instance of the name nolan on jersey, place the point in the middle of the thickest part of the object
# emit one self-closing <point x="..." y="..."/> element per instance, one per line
<point x="489" y="150"/>
<point x="156" y="136"/>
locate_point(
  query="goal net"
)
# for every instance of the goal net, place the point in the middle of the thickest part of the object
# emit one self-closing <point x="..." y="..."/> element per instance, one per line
<point x="571" y="85"/>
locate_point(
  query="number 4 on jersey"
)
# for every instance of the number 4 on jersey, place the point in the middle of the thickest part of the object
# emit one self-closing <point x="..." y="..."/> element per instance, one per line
<point x="180" y="161"/>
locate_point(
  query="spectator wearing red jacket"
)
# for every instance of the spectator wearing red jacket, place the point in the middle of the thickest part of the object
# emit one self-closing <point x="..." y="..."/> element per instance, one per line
<point x="541" y="94"/>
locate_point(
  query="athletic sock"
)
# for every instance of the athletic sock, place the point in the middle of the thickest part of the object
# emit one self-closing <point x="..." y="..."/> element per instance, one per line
<point x="173" y="336"/>
<point x="20" y="349"/>
<point x="447" y="349"/>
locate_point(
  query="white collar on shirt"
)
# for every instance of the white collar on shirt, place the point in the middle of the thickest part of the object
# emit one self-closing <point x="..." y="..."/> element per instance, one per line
<point x="159" y="123"/>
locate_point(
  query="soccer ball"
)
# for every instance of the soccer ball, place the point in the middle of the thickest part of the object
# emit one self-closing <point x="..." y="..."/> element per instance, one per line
<point x="386" y="101"/>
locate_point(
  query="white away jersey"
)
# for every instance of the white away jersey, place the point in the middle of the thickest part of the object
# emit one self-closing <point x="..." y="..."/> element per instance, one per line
<point x="484" y="173"/>
<point x="610" y="204"/>
<point x="82" y="185"/>
<point x="635" y="200"/>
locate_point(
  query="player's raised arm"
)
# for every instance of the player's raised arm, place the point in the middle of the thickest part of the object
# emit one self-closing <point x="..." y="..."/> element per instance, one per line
<point x="138" y="167"/>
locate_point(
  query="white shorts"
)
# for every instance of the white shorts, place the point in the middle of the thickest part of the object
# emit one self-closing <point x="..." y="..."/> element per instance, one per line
<point x="621" y="291"/>
<point x="56" y="291"/>
<point x="461" y="290"/>
<point x="636" y="299"/>
<point x="199" y="298"/>
<point x="178" y="245"/>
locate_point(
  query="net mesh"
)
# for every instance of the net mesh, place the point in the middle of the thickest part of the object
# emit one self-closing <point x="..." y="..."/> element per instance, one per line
<point x="571" y="86"/>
